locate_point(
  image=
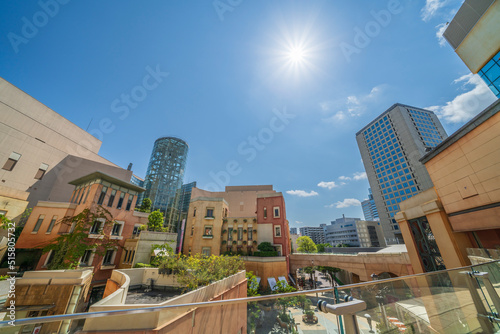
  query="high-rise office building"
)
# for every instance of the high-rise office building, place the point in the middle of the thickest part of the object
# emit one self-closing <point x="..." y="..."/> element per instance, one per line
<point x="473" y="34"/>
<point x="391" y="146"/>
<point x="165" y="175"/>
<point x="354" y="232"/>
<point x="293" y="230"/>
<point x="316" y="233"/>
<point x="369" y="209"/>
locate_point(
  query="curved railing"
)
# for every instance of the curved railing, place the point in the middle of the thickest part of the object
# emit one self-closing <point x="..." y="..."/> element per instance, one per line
<point x="460" y="300"/>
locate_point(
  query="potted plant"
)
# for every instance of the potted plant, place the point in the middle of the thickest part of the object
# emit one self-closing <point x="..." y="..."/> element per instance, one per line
<point x="234" y="242"/>
<point x="255" y="242"/>
<point x="236" y="220"/>
<point x="244" y="242"/>
<point x="254" y="220"/>
<point x="224" y="231"/>
<point x="223" y="242"/>
<point x="309" y="317"/>
<point x="244" y="220"/>
<point x="244" y="231"/>
<point x="235" y="231"/>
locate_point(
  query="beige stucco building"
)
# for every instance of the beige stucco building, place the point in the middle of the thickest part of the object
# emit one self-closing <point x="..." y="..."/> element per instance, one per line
<point x="460" y="213"/>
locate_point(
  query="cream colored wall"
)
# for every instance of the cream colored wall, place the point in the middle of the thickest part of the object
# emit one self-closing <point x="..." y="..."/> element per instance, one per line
<point x="14" y="207"/>
<point x="467" y="175"/>
<point x="483" y="41"/>
<point x="242" y="200"/>
<point x="196" y="242"/>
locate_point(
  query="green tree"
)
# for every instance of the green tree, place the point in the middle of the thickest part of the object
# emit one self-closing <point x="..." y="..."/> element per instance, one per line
<point x="252" y="285"/>
<point x="155" y="221"/>
<point x="165" y="252"/>
<point x="199" y="270"/>
<point x="330" y="271"/>
<point x="15" y="227"/>
<point x="145" y="205"/>
<point x="306" y="245"/>
<point x="69" y="248"/>
<point x="321" y="247"/>
<point x="265" y="247"/>
<point x="284" y="302"/>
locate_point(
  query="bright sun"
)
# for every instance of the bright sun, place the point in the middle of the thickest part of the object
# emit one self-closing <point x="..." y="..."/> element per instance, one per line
<point x="296" y="55"/>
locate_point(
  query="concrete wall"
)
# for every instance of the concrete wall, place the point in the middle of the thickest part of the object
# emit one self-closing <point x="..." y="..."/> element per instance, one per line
<point x="199" y="320"/>
<point x="467" y="175"/>
<point x="266" y="267"/>
<point x="40" y="135"/>
<point x="483" y="40"/>
<point x="148" y="239"/>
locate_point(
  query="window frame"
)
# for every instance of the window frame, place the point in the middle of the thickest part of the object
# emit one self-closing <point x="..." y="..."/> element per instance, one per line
<point x="51" y="225"/>
<point x="38" y="223"/>
<point x="11" y="161"/>
<point x="274" y="212"/>
<point x="277" y="228"/>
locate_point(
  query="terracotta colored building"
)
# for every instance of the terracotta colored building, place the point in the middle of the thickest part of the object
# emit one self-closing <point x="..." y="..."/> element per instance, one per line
<point x="96" y="189"/>
<point x="443" y="225"/>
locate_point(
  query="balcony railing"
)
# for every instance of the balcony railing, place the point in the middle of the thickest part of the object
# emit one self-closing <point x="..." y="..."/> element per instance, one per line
<point x="461" y="300"/>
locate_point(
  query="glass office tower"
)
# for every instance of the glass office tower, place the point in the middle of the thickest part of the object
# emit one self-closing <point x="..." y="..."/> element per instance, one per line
<point x="391" y="146"/>
<point x="165" y="176"/>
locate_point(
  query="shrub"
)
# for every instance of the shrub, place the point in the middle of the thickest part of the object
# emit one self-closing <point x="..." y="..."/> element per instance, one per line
<point x="143" y="265"/>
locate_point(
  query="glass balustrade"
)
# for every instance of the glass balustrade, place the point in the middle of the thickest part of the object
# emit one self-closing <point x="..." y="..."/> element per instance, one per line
<point x="462" y="300"/>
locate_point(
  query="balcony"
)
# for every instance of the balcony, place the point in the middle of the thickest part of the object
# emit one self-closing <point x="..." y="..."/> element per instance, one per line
<point x="461" y="300"/>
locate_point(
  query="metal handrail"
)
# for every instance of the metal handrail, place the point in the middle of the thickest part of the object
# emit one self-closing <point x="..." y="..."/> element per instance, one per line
<point x="76" y="316"/>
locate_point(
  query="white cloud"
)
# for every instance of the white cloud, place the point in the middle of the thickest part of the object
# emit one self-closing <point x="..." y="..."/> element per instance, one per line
<point x="352" y="106"/>
<point x="302" y="193"/>
<point x="330" y="185"/>
<point x="297" y="222"/>
<point x="466" y="105"/>
<point x="431" y="7"/>
<point x="439" y="33"/>
<point x="345" y="203"/>
<point x="359" y="176"/>
<point x="344" y="178"/>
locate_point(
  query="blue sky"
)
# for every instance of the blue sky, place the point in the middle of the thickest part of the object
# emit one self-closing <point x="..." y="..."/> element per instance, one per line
<point x="264" y="92"/>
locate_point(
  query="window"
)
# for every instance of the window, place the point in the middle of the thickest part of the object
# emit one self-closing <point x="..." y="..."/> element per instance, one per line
<point x="117" y="229"/>
<point x="129" y="202"/>
<point x="208" y="231"/>
<point x="240" y="233"/>
<point x="49" y="258"/>
<point x="41" y="171"/>
<point x="96" y="227"/>
<point x="120" y="201"/>
<point x="86" y="258"/>
<point x="192" y="230"/>
<point x="229" y="234"/>
<point x="125" y="256"/>
<point x="265" y="212"/>
<point x="112" y="197"/>
<point x="81" y="195"/>
<point x="11" y="161"/>
<point x="250" y="233"/>
<point x="137" y="230"/>
<point x="277" y="231"/>
<point x="205" y="251"/>
<point x="86" y="194"/>
<point x="102" y="195"/>
<point x="108" y="257"/>
<point x="51" y="225"/>
<point x="194" y="212"/>
<point x="276" y="212"/>
<point x="3" y="212"/>
<point x="210" y="213"/>
<point x="38" y="223"/>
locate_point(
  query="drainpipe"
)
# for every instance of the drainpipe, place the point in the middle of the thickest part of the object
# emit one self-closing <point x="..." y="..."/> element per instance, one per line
<point x="70" y="309"/>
